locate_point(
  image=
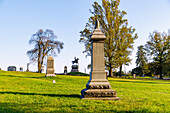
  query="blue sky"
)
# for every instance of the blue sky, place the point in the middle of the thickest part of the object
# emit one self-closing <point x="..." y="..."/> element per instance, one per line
<point x="19" y="19"/>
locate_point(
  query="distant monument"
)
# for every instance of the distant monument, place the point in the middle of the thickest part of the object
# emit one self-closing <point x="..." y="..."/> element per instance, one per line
<point x="21" y="69"/>
<point x="50" y="67"/>
<point x="12" y="68"/>
<point x="98" y="86"/>
<point x="75" y="67"/>
<point x="42" y="69"/>
<point x="65" y="70"/>
<point x="28" y="67"/>
<point x="134" y="75"/>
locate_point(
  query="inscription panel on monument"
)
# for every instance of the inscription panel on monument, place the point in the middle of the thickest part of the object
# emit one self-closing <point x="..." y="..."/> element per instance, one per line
<point x="50" y="67"/>
<point x="98" y="54"/>
<point x="50" y="71"/>
<point x="50" y="64"/>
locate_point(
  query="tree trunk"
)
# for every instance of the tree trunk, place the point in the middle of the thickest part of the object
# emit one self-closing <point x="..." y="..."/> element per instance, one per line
<point x="120" y="71"/>
<point x="110" y="72"/>
<point x="39" y="63"/>
<point x="160" y="69"/>
<point x="39" y="66"/>
<point x="42" y="60"/>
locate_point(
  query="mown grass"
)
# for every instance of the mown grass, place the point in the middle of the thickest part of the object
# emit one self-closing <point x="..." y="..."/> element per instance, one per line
<point x="78" y="74"/>
<point x="32" y="92"/>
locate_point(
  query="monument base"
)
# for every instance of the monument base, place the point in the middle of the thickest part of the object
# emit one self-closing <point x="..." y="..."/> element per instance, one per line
<point x="100" y="90"/>
<point x="74" y="68"/>
<point x="99" y="94"/>
<point x="103" y="98"/>
<point x="50" y="75"/>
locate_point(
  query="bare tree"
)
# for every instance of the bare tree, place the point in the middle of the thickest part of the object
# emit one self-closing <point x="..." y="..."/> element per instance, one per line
<point x="45" y="44"/>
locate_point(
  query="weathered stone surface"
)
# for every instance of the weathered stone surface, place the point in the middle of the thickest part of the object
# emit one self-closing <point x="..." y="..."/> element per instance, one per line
<point x="50" y="67"/>
<point x="91" y="93"/>
<point x="98" y="86"/>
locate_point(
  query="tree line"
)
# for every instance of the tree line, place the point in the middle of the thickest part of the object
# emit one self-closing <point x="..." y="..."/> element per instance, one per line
<point x="157" y="51"/>
<point x="120" y="38"/>
<point x="153" y="57"/>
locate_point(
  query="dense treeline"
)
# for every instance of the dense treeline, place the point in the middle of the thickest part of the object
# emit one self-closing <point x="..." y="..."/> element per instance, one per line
<point x="157" y="50"/>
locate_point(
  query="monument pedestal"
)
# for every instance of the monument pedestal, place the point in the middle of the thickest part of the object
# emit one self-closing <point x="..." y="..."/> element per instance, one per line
<point x="99" y="89"/>
<point x="74" y="68"/>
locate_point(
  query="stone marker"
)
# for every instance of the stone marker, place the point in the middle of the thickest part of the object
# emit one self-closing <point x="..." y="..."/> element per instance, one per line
<point x="21" y="69"/>
<point x="134" y="75"/>
<point x="28" y="67"/>
<point x="50" y="67"/>
<point x="53" y="81"/>
<point x="12" y="68"/>
<point x="98" y="86"/>
<point x="65" y="70"/>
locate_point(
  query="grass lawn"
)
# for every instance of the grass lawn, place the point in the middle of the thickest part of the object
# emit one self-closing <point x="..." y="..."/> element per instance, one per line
<point x="32" y="92"/>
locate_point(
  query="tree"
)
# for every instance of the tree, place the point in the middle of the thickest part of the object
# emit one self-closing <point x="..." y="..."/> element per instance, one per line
<point x="158" y="47"/>
<point x="119" y="37"/>
<point x="45" y="44"/>
<point x="124" y="48"/>
<point x="142" y="60"/>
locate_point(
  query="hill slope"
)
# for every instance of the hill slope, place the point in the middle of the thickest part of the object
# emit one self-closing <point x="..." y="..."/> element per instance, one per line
<point x="32" y="92"/>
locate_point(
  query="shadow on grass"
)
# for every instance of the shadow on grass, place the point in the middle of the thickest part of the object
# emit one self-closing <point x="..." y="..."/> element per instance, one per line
<point x="21" y="76"/>
<point x="140" y="82"/>
<point x="51" y="95"/>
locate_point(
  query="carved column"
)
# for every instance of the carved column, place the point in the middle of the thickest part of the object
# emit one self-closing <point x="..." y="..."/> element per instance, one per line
<point x="98" y="86"/>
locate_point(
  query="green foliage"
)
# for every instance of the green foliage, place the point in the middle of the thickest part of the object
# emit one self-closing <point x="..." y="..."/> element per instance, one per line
<point x="141" y="60"/>
<point x="32" y="92"/>
<point x="158" y="48"/>
<point x="119" y="36"/>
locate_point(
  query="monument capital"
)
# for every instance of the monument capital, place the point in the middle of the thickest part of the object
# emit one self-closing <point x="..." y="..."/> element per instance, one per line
<point x="97" y="34"/>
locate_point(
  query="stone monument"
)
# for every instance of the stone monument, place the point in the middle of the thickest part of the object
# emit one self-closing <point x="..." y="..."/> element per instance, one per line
<point x="21" y="69"/>
<point x="134" y="75"/>
<point x="98" y="86"/>
<point x="75" y="67"/>
<point x="65" y="70"/>
<point x="50" y="67"/>
<point x="27" y="67"/>
<point x="12" y="68"/>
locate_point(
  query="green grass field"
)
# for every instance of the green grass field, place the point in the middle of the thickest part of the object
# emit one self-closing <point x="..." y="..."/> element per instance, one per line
<point x="32" y="92"/>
